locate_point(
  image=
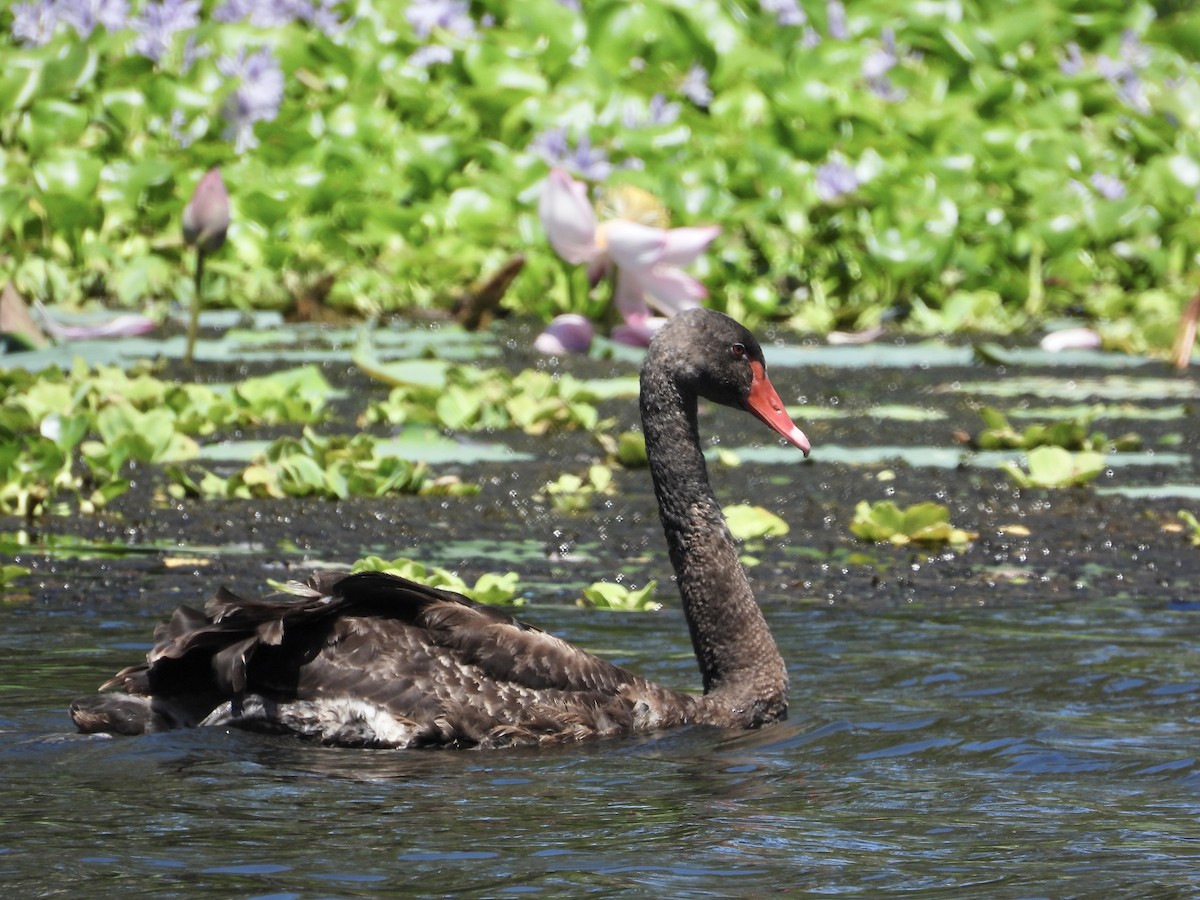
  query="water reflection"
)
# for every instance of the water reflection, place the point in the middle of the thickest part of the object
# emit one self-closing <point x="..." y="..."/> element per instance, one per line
<point x="958" y="750"/>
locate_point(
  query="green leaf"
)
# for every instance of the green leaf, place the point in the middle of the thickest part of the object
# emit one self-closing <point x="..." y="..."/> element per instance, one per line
<point x="748" y="522"/>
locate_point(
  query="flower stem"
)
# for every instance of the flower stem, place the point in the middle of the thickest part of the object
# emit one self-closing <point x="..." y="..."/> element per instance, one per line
<point x="194" y="321"/>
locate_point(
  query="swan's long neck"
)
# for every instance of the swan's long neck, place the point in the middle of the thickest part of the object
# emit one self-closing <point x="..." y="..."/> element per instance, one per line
<point x="742" y="669"/>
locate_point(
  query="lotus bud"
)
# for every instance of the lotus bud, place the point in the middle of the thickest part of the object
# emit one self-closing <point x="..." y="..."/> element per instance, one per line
<point x="206" y="217"/>
<point x="568" y="333"/>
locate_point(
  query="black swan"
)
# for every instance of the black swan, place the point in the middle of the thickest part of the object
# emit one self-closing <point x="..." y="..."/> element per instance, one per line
<point x="372" y="660"/>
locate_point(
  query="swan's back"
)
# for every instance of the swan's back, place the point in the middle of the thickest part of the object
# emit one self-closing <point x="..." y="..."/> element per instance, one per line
<point x="375" y="660"/>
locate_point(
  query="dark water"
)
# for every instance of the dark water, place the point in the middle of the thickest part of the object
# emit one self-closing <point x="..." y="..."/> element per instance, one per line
<point x="1015" y="718"/>
<point x="1045" y="750"/>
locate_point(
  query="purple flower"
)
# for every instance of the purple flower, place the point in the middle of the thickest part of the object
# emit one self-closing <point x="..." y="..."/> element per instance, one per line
<point x="1108" y="186"/>
<point x="34" y="23"/>
<point x="1072" y="63"/>
<point x="85" y="15"/>
<point x="587" y="161"/>
<point x="159" y="23"/>
<point x="786" y="12"/>
<point x="835" y="15"/>
<point x="264" y="13"/>
<point x="695" y="86"/>
<point x="1123" y="73"/>
<point x="452" y="16"/>
<point x="878" y="64"/>
<point x="835" y="180"/>
<point x="659" y="112"/>
<point x="431" y="55"/>
<point x="274" y="13"/>
<point x="257" y="96"/>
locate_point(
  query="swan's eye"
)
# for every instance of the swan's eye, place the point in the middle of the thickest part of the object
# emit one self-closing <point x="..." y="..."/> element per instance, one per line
<point x="737" y="351"/>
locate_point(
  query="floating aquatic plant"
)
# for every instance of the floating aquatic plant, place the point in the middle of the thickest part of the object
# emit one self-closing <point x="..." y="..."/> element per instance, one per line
<point x="1068" y="433"/>
<point x="748" y="522"/>
<point x="1193" y="526"/>
<point x="921" y="523"/>
<point x="9" y="573"/>
<point x="1054" y="467"/>
<point x="466" y="398"/>
<point x="575" y="493"/>
<point x="609" y="595"/>
<point x="335" y="467"/>
<point x="489" y="588"/>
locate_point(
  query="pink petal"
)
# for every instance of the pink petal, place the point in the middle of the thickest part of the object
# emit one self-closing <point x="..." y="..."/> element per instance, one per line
<point x="568" y="333"/>
<point x="127" y="325"/>
<point x="567" y="217"/>
<point x="634" y="246"/>
<point x="630" y="297"/>
<point x="638" y="334"/>
<point x="685" y="244"/>
<point x="1071" y="339"/>
<point x="206" y="217"/>
<point x="672" y="290"/>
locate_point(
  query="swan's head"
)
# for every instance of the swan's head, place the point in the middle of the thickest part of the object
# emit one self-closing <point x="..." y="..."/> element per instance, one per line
<point x="714" y="357"/>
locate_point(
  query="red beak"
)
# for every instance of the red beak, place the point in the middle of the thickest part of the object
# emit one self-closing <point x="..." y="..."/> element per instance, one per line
<point x="764" y="402"/>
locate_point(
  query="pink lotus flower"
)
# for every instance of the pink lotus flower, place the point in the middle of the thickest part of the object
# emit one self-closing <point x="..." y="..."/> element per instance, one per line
<point x="647" y="259"/>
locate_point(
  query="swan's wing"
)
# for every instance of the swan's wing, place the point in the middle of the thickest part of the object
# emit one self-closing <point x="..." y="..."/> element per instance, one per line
<point x="371" y="645"/>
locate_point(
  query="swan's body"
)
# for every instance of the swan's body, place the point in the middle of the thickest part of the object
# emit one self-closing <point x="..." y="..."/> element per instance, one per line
<point x="375" y="660"/>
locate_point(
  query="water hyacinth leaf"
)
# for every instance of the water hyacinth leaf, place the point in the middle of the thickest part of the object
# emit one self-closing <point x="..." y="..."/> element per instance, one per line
<point x="491" y="588"/>
<point x="921" y="523"/>
<point x="631" y="450"/>
<point x="71" y="173"/>
<point x="607" y="595"/>
<point x="18" y="87"/>
<point x="458" y="407"/>
<point x="70" y="70"/>
<point x="50" y="124"/>
<point x="748" y="522"/>
<point x="1054" y="467"/>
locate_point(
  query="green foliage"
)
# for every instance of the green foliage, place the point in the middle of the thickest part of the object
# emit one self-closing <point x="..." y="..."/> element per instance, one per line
<point x="630" y="450"/>
<point x="489" y="588"/>
<point x="607" y="595"/>
<point x="335" y="467"/>
<point x="1193" y="526"/>
<point x="9" y="573"/>
<point x="573" y="493"/>
<point x="749" y="522"/>
<point x="1054" y="467"/>
<point x="465" y="398"/>
<point x="980" y="160"/>
<point x="46" y="419"/>
<point x="1068" y="433"/>
<point x="921" y="523"/>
